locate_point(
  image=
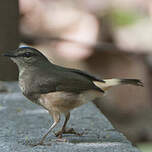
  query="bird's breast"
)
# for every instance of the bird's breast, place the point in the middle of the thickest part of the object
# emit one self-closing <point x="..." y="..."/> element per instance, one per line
<point x="22" y="85"/>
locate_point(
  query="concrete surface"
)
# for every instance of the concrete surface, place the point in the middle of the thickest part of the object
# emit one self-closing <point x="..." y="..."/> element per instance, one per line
<point x="23" y="123"/>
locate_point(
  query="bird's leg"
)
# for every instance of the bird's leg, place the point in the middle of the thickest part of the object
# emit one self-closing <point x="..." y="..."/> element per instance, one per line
<point x="56" y="118"/>
<point x="65" y="130"/>
<point x="59" y="133"/>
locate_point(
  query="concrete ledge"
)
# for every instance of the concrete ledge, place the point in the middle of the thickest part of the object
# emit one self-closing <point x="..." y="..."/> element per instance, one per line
<point x="23" y="123"/>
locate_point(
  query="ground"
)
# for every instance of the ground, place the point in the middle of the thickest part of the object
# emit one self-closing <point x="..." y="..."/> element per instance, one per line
<point x="23" y="123"/>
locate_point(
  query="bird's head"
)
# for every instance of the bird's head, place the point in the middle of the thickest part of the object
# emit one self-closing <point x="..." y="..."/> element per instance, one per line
<point x="27" y="57"/>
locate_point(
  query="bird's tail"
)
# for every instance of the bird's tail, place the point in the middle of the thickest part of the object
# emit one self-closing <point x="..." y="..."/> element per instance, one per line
<point x="115" y="82"/>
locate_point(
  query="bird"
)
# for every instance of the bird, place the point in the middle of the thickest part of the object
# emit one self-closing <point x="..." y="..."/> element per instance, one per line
<point x="56" y="88"/>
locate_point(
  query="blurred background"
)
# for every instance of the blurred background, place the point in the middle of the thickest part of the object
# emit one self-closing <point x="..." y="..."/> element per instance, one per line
<point x="108" y="38"/>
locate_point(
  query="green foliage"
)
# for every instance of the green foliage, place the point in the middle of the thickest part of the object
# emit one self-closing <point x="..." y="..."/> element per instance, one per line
<point x="124" y="18"/>
<point x="145" y="147"/>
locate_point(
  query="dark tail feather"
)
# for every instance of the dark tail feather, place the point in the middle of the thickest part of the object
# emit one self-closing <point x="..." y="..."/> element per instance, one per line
<point x="132" y="81"/>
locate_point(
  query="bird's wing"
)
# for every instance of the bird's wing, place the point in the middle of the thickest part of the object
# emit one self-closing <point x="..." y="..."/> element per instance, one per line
<point x="89" y="76"/>
<point x="82" y="73"/>
<point x="64" y="81"/>
<point x="74" y="82"/>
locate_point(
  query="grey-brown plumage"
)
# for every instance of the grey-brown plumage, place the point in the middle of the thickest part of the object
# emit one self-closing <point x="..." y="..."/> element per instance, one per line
<point x="58" y="89"/>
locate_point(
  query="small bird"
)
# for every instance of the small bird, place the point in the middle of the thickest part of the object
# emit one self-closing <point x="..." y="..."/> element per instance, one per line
<point x="56" y="88"/>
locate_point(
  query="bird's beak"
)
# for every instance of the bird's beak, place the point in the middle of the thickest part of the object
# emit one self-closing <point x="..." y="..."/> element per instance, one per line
<point x="9" y="54"/>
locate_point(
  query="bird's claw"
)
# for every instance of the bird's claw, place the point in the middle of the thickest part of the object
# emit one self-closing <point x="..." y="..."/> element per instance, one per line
<point x="67" y="131"/>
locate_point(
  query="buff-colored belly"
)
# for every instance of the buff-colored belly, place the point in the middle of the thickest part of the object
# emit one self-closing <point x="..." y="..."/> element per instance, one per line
<point x="65" y="101"/>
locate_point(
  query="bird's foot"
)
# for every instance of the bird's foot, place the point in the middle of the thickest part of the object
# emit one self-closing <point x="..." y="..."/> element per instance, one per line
<point x="40" y="144"/>
<point x="61" y="140"/>
<point x="67" y="131"/>
<point x="37" y="144"/>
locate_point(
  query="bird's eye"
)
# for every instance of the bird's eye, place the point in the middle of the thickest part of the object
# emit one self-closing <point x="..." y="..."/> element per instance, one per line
<point x="27" y="54"/>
